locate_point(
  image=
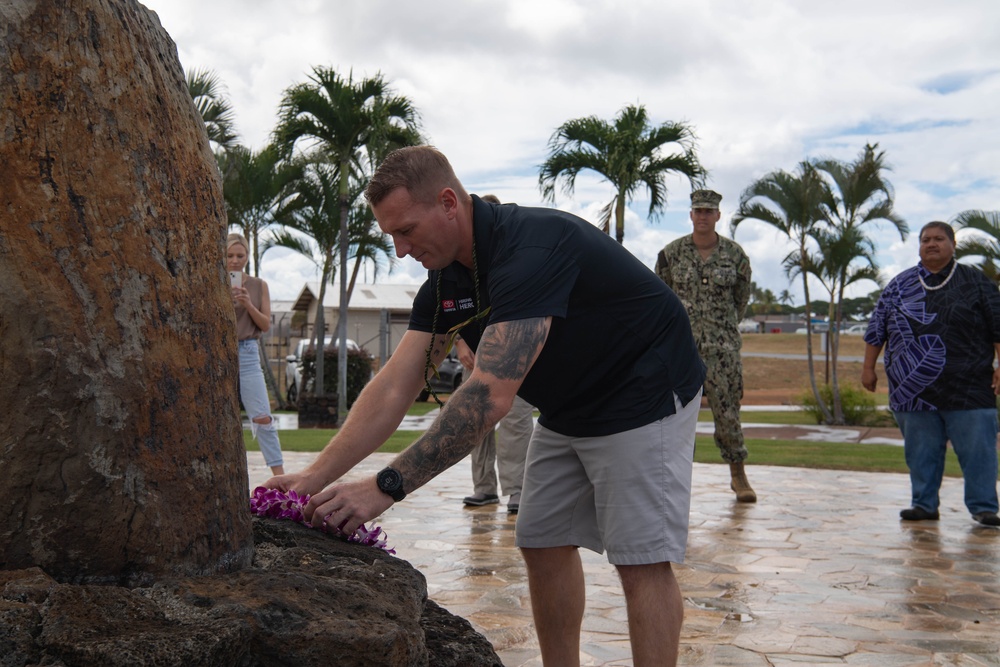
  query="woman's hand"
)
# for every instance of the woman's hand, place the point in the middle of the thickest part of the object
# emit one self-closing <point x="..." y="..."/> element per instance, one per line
<point x="241" y="296"/>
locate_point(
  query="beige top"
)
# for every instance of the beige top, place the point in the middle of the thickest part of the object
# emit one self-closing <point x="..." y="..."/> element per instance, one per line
<point x="245" y="326"/>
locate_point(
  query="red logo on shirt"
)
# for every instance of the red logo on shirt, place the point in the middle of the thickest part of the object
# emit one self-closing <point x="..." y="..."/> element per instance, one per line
<point x="448" y="305"/>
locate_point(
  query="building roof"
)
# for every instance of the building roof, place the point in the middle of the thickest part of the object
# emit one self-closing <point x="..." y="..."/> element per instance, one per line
<point x="363" y="297"/>
<point x="282" y="306"/>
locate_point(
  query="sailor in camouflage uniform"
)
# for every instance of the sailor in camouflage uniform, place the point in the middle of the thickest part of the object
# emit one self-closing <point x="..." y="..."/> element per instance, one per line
<point x="711" y="275"/>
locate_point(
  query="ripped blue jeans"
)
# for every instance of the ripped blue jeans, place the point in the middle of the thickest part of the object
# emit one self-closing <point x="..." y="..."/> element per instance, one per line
<point x="253" y="393"/>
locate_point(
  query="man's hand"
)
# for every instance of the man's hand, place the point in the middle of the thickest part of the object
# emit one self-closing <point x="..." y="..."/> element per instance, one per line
<point x="301" y="482"/>
<point x="344" y="507"/>
<point x="465" y="354"/>
<point x="996" y="381"/>
<point x="869" y="379"/>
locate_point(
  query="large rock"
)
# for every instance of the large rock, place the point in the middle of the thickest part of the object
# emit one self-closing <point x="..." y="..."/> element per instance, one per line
<point x="125" y="535"/>
<point x="308" y="599"/>
<point x="120" y="440"/>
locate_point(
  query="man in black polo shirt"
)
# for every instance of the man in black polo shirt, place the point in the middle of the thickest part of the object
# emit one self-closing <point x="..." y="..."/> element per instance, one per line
<point x="561" y="315"/>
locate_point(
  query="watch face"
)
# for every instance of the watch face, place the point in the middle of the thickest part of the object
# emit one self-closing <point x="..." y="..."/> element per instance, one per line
<point x="389" y="480"/>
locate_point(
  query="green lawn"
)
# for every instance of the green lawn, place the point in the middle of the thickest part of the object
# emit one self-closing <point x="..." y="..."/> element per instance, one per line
<point x="793" y="453"/>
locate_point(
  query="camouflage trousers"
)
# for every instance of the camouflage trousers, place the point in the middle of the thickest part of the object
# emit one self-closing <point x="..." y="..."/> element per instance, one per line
<point x="724" y="390"/>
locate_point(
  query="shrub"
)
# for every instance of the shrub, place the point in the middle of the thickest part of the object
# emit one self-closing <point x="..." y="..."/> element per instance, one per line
<point x="858" y="405"/>
<point x="359" y="371"/>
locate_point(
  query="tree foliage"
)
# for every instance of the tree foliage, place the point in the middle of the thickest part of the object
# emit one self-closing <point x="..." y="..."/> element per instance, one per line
<point x="348" y="125"/>
<point x="629" y="153"/>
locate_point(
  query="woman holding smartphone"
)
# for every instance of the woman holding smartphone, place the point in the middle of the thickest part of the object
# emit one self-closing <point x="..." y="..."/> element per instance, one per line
<point x="253" y="318"/>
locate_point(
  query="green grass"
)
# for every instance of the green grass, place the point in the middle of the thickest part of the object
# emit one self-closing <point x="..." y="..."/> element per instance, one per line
<point x="825" y="455"/>
<point x="790" y="453"/>
<point x="314" y="440"/>
<point x="796" y="417"/>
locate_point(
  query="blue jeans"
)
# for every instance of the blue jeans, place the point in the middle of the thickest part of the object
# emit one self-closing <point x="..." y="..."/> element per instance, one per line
<point x="253" y="393"/>
<point x="973" y="435"/>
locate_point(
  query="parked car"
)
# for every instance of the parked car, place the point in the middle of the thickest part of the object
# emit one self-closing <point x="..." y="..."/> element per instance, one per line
<point x="448" y="378"/>
<point x="856" y="330"/>
<point x="293" y="379"/>
<point x="817" y="327"/>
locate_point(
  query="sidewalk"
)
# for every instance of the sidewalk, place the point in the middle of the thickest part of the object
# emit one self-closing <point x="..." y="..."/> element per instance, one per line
<point x="820" y="571"/>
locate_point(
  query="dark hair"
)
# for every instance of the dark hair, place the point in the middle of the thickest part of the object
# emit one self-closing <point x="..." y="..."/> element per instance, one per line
<point x="423" y="170"/>
<point x="943" y="226"/>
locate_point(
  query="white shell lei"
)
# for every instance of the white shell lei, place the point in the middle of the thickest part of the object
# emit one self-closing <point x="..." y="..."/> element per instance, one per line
<point x="944" y="282"/>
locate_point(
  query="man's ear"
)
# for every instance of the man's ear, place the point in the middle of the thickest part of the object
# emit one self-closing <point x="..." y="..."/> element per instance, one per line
<point x="449" y="201"/>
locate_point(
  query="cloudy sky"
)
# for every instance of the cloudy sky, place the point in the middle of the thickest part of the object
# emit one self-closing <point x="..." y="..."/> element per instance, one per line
<point x="765" y="85"/>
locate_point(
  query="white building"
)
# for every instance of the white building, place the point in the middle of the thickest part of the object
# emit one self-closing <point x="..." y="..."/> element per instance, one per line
<point x="377" y="315"/>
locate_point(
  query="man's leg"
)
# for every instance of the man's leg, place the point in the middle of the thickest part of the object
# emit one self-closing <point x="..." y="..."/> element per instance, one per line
<point x="558" y="596"/>
<point x="513" y="435"/>
<point x="655" y="613"/>
<point x="724" y="389"/>
<point x="924" y="441"/>
<point x="973" y="436"/>
<point x="484" y="477"/>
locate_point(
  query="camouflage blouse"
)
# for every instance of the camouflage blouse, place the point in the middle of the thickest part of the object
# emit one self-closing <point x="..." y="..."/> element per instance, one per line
<point x="715" y="291"/>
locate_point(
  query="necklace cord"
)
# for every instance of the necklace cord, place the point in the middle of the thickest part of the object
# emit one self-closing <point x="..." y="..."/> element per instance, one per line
<point x="944" y="282"/>
<point x="429" y="367"/>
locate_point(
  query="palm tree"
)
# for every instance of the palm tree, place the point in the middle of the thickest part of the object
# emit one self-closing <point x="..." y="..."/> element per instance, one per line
<point x="985" y="245"/>
<point x="793" y="204"/>
<point x="861" y="193"/>
<point x="860" y="196"/>
<point x="352" y="124"/>
<point x="315" y="213"/>
<point x="206" y="90"/>
<point x="786" y="297"/>
<point x="836" y="266"/>
<point x="627" y="153"/>
<point x="255" y="185"/>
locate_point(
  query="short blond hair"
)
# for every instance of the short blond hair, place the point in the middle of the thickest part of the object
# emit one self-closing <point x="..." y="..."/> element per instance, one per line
<point x="423" y="170"/>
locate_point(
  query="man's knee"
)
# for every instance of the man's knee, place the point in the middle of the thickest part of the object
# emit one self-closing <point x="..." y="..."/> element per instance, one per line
<point x="639" y="578"/>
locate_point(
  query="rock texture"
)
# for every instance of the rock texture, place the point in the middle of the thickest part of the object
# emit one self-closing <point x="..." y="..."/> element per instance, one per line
<point x="307" y="599"/>
<point x="120" y="441"/>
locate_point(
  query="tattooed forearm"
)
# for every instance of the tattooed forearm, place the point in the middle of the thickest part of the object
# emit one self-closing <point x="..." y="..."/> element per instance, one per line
<point x="463" y="423"/>
<point x="509" y="348"/>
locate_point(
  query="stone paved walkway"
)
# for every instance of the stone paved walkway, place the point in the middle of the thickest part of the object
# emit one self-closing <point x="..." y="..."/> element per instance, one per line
<point x="819" y="572"/>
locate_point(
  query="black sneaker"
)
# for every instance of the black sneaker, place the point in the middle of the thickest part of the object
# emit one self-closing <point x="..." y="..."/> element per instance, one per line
<point x="480" y="499"/>
<point x="987" y="518"/>
<point x="514" y="503"/>
<point x="919" y="514"/>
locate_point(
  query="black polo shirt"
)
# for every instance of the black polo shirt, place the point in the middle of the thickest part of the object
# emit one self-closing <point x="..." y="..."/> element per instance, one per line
<point x="620" y="345"/>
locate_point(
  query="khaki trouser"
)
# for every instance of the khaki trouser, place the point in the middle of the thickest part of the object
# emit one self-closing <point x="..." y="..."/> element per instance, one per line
<point x="504" y="449"/>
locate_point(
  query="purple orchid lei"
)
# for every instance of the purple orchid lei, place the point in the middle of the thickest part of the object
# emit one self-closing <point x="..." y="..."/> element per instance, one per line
<point x="276" y="504"/>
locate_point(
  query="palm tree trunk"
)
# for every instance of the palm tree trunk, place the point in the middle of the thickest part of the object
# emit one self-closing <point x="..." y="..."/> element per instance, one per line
<point x="620" y="218"/>
<point x="345" y="207"/>
<point x="319" y="386"/>
<point x="827" y="417"/>
<point x="272" y="384"/>
<point x="833" y="343"/>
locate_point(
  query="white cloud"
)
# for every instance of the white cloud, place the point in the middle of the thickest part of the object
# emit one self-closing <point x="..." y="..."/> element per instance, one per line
<point x="766" y="85"/>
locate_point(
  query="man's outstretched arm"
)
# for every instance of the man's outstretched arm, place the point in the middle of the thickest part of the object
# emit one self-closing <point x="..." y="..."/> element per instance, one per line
<point x="375" y="415"/>
<point x="504" y="357"/>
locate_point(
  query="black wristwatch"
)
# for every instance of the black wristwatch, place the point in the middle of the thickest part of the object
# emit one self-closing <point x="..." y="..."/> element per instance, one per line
<point x="390" y="482"/>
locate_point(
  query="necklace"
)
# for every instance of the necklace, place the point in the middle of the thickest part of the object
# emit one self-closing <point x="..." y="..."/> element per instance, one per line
<point x="944" y="282"/>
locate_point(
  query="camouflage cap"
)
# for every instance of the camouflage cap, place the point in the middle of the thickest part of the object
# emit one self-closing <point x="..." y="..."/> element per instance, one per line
<point x="705" y="199"/>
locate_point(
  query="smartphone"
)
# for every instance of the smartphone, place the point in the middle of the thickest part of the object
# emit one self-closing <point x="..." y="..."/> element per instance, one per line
<point x="236" y="278"/>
